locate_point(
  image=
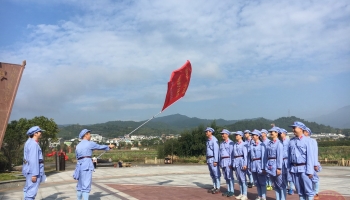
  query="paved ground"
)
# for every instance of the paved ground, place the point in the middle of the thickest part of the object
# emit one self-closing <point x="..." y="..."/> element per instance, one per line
<point x="167" y="182"/>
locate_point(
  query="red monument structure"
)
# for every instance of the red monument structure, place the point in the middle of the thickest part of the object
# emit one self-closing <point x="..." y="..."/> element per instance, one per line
<point x="10" y="76"/>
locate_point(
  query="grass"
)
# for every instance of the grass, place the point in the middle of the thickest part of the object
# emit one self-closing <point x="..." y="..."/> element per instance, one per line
<point x="6" y="176"/>
<point x="124" y="155"/>
<point x="334" y="153"/>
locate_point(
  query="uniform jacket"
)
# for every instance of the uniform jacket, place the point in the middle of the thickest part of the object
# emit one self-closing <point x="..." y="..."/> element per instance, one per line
<point x="257" y="151"/>
<point x="32" y="155"/>
<point x="83" y="149"/>
<point x="300" y="151"/>
<point x="274" y="157"/>
<point x="212" y="150"/>
<point x="240" y="149"/>
<point x="226" y="148"/>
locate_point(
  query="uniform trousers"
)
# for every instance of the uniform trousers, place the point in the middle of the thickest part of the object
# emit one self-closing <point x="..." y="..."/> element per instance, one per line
<point x="280" y="187"/>
<point x="214" y="174"/>
<point x="31" y="189"/>
<point x="84" y="182"/>
<point x="240" y="174"/>
<point x="260" y="183"/>
<point x="303" y="185"/>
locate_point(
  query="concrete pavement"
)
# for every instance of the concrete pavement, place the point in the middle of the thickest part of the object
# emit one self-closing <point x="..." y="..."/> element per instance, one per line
<point x="166" y="182"/>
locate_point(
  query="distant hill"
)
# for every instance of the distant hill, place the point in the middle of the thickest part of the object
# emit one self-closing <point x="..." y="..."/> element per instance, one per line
<point x="184" y="122"/>
<point x="175" y="124"/>
<point x="339" y="118"/>
<point x="283" y="122"/>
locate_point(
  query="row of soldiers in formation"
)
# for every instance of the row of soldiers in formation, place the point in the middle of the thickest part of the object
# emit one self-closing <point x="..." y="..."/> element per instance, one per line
<point x="281" y="161"/>
<point x="33" y="163"/>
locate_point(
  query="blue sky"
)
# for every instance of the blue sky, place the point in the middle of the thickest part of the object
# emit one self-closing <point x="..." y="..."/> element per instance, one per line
<point x="97" y="61"/>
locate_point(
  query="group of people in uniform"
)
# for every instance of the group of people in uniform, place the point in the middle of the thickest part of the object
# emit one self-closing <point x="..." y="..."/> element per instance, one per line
<point x="276" y="163"/>
<point x="33" y="163"/>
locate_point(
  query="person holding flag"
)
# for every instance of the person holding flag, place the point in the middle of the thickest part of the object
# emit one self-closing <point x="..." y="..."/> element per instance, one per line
<point x="226" y="148"/>
<point x="85" y="167"/>
<point x="212" y="154"/>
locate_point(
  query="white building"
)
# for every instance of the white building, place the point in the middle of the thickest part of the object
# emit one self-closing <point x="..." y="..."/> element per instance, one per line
<point x="96" y="138"/>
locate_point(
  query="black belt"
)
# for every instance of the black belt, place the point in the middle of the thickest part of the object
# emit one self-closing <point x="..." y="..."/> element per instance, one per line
<point x="84" y="157"/>
<point x="271" y="158"/>
<point x="285" y="158"/>
<point x="226" y="157"/>
<point x="256" y="159"/>
<point x="298" y="164"/>
<point x="238" y="156"/>
<point x="210" y="156"/>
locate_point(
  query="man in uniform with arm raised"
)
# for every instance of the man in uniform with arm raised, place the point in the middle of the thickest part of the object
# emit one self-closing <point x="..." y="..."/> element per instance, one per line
<point x="85" y="167"/>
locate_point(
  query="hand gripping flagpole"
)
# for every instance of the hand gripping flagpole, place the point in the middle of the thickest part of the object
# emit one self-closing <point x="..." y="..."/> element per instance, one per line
<point x="177" y="87"/>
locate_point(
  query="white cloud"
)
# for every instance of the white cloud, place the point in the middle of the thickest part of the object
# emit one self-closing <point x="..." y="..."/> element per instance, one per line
<point x="123" y="53"/>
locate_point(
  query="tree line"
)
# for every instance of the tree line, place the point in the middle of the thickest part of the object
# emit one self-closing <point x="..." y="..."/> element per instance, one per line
<point x="193" y="142"/>
<point x="15" y="138"/>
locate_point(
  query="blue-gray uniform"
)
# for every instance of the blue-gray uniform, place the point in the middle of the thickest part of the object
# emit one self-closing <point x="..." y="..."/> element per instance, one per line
<point x="314" y="147"/>
<point x="266" y="142"/>
<point x="274" y="162"/>
<point x="257" y="163"/>
<point x="249" y="173"/>
<point x="287" y="177"/>
<point x="213" y="157"/>
<point x="85" y="167"/>
<point x="226" y="148"/>
<point x="240" y="157"/>
<point x="33" y="165"/>
<point x="315" y="179"/>
<point x="301" y="164"/>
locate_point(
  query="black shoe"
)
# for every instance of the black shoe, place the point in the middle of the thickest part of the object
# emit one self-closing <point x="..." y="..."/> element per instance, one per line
<point x="225" y="194"/>
<point x="250" y="185"/>
<point x="211" y="190"/>
<point x="230" y="194"/>
<point x="215" y="191"/>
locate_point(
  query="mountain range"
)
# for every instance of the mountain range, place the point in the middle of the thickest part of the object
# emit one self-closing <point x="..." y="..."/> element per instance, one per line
<point x="339" y="118"/>
<point x="177" y="123"/>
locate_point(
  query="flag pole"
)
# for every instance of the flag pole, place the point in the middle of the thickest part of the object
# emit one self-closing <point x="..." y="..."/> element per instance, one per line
<point x="154" y="116"/>
<point x="144" y="123"/>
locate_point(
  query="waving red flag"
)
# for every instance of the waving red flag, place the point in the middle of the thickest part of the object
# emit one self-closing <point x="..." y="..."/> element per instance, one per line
<point x="177" y="87"/>
<point x="178" y="84"/>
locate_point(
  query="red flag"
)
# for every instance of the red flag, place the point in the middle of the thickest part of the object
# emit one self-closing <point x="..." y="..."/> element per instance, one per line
<point x="178" y="84"/>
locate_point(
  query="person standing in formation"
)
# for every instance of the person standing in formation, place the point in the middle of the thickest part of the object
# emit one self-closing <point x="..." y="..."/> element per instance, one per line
<point x="317" y="166"/>
<point x="257" y="164"/>
<point x="301" y="163"/>
<point x="248" y="141"/>
<point x="240" y="158"/>
<point x="33" y="163"/>
<point x="287" y="177"/>
<point x="212" y="154"/>
<point x="266" y="141"/>
<point x="85" y="167"/>
<point x="274" y="163"/>
<point x="226" y="148"/>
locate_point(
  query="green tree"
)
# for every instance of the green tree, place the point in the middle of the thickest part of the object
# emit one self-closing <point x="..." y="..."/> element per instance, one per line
<point x="14" y="139"/>
<point x="50" y="127"/>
